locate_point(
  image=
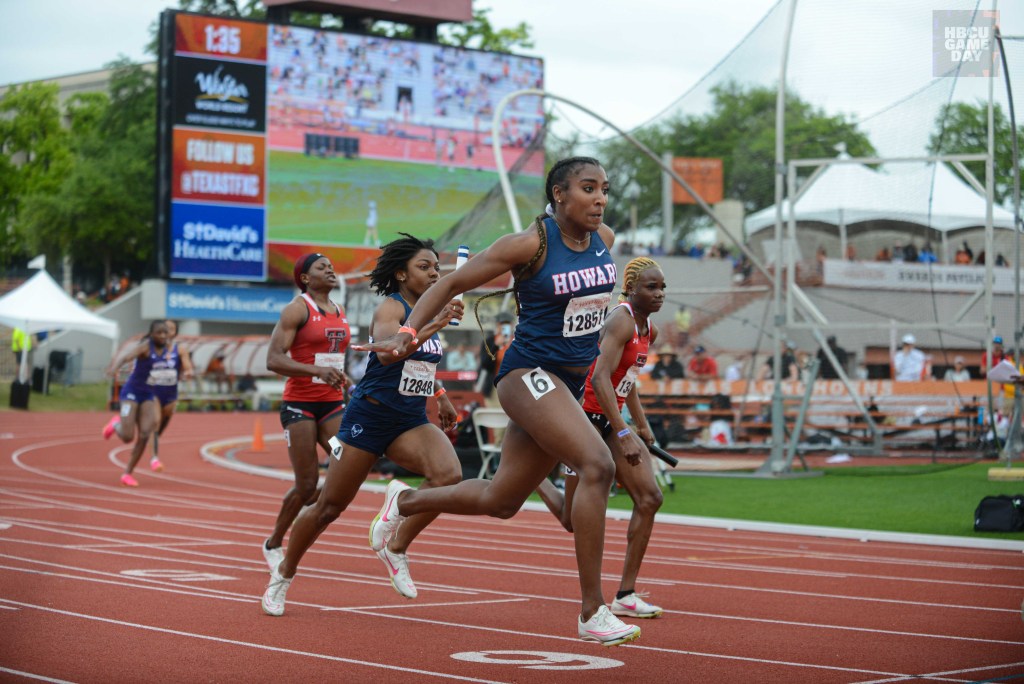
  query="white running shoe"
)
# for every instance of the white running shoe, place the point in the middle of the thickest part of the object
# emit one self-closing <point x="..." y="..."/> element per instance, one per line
<point x="388" y="519"/>
<point x="633" y="605"/>
<point x="273" y="597"/>
<point x="398" y="570"/>
<point x="273" y="556"/>
<point x="606" y="629"/>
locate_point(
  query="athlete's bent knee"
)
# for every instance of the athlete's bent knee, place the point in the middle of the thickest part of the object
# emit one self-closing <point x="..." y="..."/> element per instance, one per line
<point x="648" y="503"/>
<point x="327" y="513"/>
<point x="600" y="471"/>
<point x="305" y="490"/>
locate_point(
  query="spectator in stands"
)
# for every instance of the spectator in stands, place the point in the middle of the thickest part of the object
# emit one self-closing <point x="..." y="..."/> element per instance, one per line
<point x="958" y="371"/>
<point x="898" y="253"/>
<point x="1001" y="260"/>
<point x="217" y="373"/>
<point x="998" y="355"/>
<point x="821" y="256"/>
<point x="851" y="252"/>
<point x="668" y="366"/>
<point x="963" y="257"/>
<point x="497" y="344"/>
<point x="702" y="366"/>
<point x="682" y="320"/>
<point x="927" y="254"/>
<point x="910" y="254"/>
<point x="883" y="255"/>
<point x="790" y="368"/>
<point x="734" y="372"/>
<point x="826" y="371"/>
<point x="909" y="364"/>
<point x="460" y="359"/>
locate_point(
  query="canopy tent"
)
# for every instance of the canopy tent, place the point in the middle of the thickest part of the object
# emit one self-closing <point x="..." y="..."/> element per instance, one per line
<point x="40" y="304"/>
<point x="930" y="195"/>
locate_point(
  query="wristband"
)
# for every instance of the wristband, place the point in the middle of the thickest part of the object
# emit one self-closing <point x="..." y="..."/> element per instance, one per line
<point x="407" y="329"/>
<point x="623" y="432"/>
<point x="441" y="392"/>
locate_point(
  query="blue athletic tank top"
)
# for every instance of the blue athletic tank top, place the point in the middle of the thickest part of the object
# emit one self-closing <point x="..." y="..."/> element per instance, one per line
<point x="563" y="306"/>
<point x="404" y="385"/>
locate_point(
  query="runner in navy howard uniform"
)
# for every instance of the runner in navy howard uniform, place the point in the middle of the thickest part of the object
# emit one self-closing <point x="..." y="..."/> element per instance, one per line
<point x="564" y="277"/>
<point x="625" y="341"/>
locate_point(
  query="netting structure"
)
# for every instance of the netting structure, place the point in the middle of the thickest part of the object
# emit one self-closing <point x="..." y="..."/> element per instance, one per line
<point x="857" y="140"/>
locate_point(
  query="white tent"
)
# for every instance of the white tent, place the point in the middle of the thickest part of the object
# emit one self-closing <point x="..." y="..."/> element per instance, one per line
<point x="40" y="304"/>
<point x="925" y="194"/>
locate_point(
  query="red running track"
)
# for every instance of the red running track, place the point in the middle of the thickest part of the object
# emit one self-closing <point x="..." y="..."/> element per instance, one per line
<point x="162" y="584"/>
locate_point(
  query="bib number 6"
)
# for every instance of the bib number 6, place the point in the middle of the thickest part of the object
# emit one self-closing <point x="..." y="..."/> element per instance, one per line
<point x="538" y="382"/>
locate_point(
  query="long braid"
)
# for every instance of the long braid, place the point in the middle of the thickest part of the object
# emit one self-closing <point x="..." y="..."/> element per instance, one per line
<point x="632" y="272"/>
<point x="516" y="278"/>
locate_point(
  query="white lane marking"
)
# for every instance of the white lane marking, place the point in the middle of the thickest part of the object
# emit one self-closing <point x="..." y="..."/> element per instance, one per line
<point x="938" y="675"/>
<point x="250" y="644"/>
<point x="32" y="675"/>
<point x="436" y="604"/>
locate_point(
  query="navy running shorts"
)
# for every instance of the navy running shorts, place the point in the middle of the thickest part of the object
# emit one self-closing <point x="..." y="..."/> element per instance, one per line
<point x="371" y="426"/>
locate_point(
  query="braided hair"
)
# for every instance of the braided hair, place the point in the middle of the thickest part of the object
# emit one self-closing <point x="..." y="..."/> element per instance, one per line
<point x="632" y="272"/>
<point x="558" y="176"/>
<point x="394" y="257"/>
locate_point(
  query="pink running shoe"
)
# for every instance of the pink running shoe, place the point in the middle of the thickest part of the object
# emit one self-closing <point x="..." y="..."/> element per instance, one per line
<point x="155" y="465"/>
<point x="128" y="481"/>
<point x="111" y="426"/>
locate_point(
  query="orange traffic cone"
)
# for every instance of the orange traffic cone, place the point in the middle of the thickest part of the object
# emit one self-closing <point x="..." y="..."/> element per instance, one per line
<point x="257" y="435"/>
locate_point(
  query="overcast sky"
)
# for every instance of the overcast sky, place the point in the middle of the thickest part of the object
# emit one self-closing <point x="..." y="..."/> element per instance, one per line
<point x="629" y="76"/>
<point x="626" y="60"/>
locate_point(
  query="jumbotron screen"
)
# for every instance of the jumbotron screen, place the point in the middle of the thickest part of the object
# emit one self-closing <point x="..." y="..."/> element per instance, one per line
<point x="278" y="140"/>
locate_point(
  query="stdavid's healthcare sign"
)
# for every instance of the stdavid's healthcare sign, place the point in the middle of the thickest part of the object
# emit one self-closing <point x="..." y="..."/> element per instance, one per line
<point x="219" y="303"/>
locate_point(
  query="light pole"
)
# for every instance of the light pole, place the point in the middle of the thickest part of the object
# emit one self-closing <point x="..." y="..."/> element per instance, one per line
<point x="632" y="194"/>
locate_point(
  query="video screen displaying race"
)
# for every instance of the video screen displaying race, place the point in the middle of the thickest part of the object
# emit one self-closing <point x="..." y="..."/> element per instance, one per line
<point x="287" y="140"/>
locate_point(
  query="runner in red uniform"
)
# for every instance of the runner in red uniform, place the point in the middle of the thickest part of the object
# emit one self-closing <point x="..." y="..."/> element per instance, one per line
<point x="625" y="340"/>
<point x="308" y="346"/>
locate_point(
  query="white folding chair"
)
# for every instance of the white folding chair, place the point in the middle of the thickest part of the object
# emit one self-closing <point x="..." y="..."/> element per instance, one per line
<point x="489" y="425"/>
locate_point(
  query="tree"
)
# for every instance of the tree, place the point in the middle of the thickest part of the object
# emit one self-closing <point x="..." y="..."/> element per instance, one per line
<point x="35" y="155"/>
<point x="739" y="128"/>
<point x="962" y="128"/>
<point x="481" y="35"/>
<point x="101" y="212"/>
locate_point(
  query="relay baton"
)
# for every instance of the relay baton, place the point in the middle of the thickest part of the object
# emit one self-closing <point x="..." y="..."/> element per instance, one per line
<point x="461" y="258"/>
<point x="664" y="455"/>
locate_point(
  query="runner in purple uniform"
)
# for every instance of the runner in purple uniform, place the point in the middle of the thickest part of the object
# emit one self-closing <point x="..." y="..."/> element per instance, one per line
<point x="138" y="401"/>
<point x="167" y="395"/>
